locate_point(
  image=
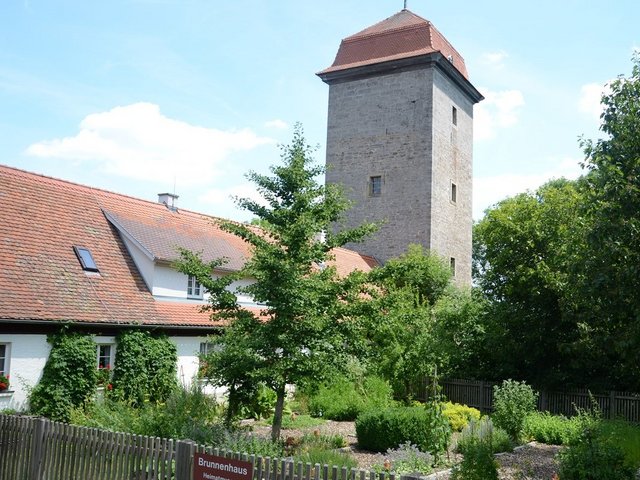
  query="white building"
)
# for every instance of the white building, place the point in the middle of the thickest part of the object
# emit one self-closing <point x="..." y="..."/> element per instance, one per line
<point x="102" y="262"/>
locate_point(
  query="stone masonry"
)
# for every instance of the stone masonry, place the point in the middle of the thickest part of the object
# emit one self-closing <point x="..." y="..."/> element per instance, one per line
<point x="408" y="121"/>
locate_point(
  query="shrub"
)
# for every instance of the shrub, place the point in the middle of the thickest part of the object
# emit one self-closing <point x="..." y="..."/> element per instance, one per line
<point x="512" y="402"/>
<point x="344" y="399"/>
<point x="406" y="459"/>
<point x="380" y="430"/>
<point x="69" y="377"/>
<point x="550" y="429"/>
<point x="330" y="442"/>
<point x="261" y="405"/>
<point x="437" y="426"/>
<point x="626" y="436"/>
<point x="483" y="431"/>
<point x="591" y="456"/>
<point x="459" y="415"/>
<point x="323" y="456"/>
<point x="478" y="463"/>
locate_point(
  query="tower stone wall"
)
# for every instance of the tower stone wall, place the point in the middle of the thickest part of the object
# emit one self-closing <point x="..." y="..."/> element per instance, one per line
<point x="400" y="140"/>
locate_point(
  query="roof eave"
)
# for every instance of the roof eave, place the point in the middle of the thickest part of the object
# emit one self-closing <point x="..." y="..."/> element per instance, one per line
<point x="435" y="59"/>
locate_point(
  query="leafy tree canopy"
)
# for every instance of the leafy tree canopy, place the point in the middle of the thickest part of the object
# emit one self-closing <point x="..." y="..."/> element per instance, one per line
<point x="299" y="333"/>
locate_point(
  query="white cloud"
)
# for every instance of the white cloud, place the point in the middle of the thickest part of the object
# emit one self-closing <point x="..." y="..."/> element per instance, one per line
<point x="498" y="110"/>
<point x="589" y="101"/>
<point x="223" y="200"/>
<point x="277" y="123"/>
<point x="489" y="190"/>
<point x="495" y="59"/>
<point x="138" y="141"/>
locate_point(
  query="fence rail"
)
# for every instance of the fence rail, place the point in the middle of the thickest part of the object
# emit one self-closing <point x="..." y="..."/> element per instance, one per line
<point x="479" y="394"/>
<point x="39" y="449"/>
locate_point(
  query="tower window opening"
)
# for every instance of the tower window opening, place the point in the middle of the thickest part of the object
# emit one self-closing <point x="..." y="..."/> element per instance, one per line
<point x="454" y="115"/>
<point x="452" y="264"/>
<point x="375" y="186"/>
<point x="454" y="192"/>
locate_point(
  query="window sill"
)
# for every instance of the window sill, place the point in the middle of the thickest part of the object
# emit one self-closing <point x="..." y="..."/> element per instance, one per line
<point x="6" y="393"/>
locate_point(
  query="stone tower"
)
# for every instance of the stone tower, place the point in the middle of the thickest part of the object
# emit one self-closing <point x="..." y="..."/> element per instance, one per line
<point x="400" y="138"/>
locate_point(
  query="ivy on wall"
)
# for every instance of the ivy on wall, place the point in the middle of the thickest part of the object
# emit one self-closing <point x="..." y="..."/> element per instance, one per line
<point x="69" y="376"/>
<point x="145" y="367"/>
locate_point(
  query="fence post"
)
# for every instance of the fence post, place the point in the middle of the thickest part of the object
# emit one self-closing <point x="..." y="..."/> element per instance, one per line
<point x="483" y="405"/>
<point x="37" y="448"/>
<point x="184" y="459"/>
<point x="543" y="401"/>
<point x="612" y="405"/>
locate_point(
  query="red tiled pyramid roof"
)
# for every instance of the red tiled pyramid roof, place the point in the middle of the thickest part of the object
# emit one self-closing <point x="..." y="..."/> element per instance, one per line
<point x="400" y="36"/>
<point x="42" y="218"/>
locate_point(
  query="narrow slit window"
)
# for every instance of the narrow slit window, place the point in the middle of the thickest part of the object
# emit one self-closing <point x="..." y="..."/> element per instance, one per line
<point x="4" y="370"/>
<point x="86" y="259"/>
<point x="454" y="192"/>
<point x="452" y="264"/>
<point x="375" y="186"/>
<point x="454" y="115"/>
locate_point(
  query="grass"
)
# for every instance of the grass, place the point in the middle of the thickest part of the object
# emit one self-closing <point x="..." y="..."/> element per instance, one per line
<point x="296" y="421"/>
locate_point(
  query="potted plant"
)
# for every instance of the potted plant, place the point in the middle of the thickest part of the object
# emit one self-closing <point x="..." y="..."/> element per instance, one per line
<point x="4" y="383"/>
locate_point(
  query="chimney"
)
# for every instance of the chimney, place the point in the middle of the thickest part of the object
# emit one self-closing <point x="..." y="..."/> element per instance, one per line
<point x="168" y="199"/>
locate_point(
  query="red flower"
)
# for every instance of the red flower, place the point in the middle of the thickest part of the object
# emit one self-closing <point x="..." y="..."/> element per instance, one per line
<point x="109" y="387"/>
<point x="3" y="386"/>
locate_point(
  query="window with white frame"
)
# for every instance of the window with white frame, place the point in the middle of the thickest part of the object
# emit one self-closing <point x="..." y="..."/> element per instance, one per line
<point x="105" y="354"/>
<point x="4" y="359"/>
<point x="194" y="289"/>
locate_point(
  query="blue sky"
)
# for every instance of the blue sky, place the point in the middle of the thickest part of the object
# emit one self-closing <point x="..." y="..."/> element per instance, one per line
<point x="135" y="96"/>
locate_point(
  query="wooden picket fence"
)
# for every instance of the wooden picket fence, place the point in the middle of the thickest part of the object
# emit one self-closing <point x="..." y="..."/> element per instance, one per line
<point x="39" y="449"/>
<point x="479" y="394"/>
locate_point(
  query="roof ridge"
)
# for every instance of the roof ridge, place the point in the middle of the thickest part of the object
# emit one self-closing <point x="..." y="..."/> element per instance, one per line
<point x="91" y="189"/>
<point x="356" y="37"/>
<point x="370" y="27"/>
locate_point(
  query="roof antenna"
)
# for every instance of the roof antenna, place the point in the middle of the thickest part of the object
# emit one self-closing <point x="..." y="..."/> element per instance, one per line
<point x="405" y="5"/>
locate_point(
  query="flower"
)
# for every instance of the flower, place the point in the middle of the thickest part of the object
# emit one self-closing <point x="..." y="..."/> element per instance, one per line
<point x="4" y="382"/>
<point x="110" y="387"/>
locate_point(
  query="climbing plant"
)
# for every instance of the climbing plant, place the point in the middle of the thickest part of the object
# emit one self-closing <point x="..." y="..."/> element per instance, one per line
<point x="145" y="367"/>
<point x="69" y="376"/>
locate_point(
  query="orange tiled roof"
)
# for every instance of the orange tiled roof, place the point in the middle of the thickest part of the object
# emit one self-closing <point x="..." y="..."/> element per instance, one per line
<point x="400" y="36"/>
<point x="42" y="218"/>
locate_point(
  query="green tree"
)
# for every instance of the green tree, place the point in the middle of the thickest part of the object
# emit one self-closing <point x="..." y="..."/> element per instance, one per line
<point x="523" y="249"/>
<point x="300" y="333"/>
<point x="610" y="274"/>
<point x="415" y="319"/>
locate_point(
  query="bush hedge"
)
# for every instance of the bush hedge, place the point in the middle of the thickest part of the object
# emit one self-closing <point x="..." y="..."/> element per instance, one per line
<point x="550" y="429"/>
<point x="345" y="399"/>
<point x="459" y="415"/>
<point x="380" y="430"/>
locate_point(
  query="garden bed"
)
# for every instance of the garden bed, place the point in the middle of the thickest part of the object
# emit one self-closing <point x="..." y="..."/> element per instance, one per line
<point x="530" y="462"/>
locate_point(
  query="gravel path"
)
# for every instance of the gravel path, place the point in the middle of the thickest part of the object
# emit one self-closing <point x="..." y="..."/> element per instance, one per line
<point x="534" y="461"/>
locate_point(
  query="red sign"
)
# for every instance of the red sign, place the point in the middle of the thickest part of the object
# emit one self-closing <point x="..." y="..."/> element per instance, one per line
<point x="210" y="467"/>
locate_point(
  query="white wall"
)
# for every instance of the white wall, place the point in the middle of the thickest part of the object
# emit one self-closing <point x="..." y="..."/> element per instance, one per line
<point x="187" y="349"/>
<point x="142" y="261"/>
<point x="169" y="282"/>
<point x="27" y="356"/>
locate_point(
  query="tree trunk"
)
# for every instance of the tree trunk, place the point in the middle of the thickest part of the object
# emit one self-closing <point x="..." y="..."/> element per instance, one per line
<point x="277" y="416"/>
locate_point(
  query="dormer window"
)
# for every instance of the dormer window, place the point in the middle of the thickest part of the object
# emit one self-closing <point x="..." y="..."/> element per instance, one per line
<point x="86" y="259"/>
<point x="194" y="289"/>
